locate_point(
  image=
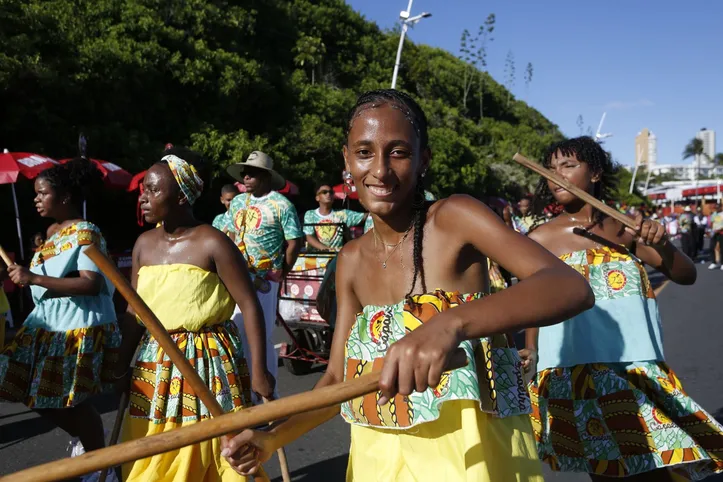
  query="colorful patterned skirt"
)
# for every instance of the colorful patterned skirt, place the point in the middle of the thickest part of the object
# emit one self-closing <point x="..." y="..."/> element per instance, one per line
<point x="162" y="400"/>
<point x="622" y="419"/>
<point x="58" y="369"/>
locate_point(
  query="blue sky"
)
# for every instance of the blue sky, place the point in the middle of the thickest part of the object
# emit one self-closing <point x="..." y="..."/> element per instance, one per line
<point x="648" y="63"/>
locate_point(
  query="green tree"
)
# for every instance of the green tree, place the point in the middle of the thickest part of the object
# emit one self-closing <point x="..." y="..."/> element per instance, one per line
<point x="528" y="76"/>
<point x="309" y="51"/>
<point x="509" y="75"/>
<point x="484" y="36"/>
<point x="228" y="77"/>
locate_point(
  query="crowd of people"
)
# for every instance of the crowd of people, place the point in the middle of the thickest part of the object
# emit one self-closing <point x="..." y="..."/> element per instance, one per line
<point x="427" y="277"/>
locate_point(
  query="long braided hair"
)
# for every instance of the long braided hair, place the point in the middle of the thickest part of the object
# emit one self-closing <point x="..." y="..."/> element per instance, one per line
<point x="415" y="115"/>
<point x="586" y="150"/>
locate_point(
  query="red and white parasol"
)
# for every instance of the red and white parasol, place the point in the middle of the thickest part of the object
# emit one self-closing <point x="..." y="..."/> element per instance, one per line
<point x="342" y="191"/>
<point x="14" y="164"/>
<point x="114" y="176"/>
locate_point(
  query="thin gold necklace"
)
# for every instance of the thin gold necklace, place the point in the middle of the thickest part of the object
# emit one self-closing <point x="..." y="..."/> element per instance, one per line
<point x="393" y="246"/>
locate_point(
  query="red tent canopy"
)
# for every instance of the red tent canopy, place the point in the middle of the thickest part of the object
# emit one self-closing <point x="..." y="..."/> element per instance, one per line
<point x="114" y="176"/>
<point x="701" y="191"/>
<point x="29" y="165"/>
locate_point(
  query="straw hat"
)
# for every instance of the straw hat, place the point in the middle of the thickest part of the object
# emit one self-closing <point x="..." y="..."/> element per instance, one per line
<point x="259" y="160"/>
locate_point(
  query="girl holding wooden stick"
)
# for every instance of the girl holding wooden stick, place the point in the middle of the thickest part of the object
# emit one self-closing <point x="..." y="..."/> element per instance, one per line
<point x="604" y="400"/>
<point x="67" y="348"/>
<point x="426" y="424"/>
<point x="191" y="275"/>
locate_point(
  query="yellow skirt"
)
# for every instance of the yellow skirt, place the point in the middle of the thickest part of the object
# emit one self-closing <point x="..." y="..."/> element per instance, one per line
<point x="464" y="444"/>
<point x="194" y="463"/>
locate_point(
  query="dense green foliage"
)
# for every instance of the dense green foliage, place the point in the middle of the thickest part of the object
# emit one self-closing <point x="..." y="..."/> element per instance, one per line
<point x="228" y="77"/>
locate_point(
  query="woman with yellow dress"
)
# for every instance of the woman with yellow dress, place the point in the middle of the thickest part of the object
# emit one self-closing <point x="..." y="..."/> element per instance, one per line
<point x="409" y="293"/>
<point x="191" y="275"/>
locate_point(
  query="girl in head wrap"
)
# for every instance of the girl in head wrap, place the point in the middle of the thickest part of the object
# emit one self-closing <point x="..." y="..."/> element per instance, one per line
<point x="191" y="275"/>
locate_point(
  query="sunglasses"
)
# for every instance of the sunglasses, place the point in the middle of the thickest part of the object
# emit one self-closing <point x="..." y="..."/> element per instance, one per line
<point x="324" y="191"/>
<point x="253" y="172"/>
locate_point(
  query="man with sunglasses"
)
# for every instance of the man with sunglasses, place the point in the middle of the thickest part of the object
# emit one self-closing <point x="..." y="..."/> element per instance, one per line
<point x="263" y="221"/>
<point x="324" y="227"/>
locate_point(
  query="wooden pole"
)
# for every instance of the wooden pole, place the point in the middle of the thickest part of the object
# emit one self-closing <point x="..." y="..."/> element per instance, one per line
<point x="198" y="432"/>
<point x="568" y="186"/>
<point x="6" y="259"/>
<point x="122" y="406"/>
<point x="285" y="474"/>
<point x="156" y="329"/>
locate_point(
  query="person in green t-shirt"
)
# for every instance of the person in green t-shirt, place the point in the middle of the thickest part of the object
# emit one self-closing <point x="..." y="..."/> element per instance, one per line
<point x="268" y="233"/>
<point x="324" y="227"/>
<point x="222" y="222"/>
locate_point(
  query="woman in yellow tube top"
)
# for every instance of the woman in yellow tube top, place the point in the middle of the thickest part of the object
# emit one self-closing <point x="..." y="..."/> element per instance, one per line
<point x="426" y="424"/>
<point x="191" y="276"/>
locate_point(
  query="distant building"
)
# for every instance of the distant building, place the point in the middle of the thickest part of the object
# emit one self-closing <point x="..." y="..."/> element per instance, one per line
<point x="646" y="149"/>
<point x="708" y="138"/>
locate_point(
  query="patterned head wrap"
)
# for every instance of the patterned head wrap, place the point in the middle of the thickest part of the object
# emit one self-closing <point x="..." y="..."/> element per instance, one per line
<point x="186" y="176"/>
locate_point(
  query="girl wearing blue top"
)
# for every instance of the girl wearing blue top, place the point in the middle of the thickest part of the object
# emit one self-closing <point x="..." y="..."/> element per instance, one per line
<point x="65" y="351"/>
<point x="604" y="401"/>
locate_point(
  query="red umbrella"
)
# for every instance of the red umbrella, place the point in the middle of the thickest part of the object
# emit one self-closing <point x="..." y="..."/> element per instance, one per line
<point x="137" y="182"/>
<point x="342" y="191"/>
<point x="13" y="164"/>
<point x="114" y="176"/>
<point x="290" y="189"/>
<point x="29" y="165"/>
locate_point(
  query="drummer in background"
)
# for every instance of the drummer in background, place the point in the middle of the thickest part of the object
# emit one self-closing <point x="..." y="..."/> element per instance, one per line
<point x="223" y="221"/>
<point x="329" y="236"/>
<point x="264" y="221"/>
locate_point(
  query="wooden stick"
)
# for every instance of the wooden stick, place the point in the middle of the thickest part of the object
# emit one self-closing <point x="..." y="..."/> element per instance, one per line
<point x="156" y="329"/>
<point x="122" y="406"/>
<point x="6" y="259"/>
<point x="198" y="432"/>
<point x="285" y="474"/>
<point x="568" y="186"/>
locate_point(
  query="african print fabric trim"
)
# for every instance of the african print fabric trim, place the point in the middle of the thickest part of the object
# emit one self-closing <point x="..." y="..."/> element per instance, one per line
<point x="492" y="377"/>
<point x="160" y="394"/>
<point x="618" y="420"/>
<point x="59" y="369"/>
<point x="73" y="236"/>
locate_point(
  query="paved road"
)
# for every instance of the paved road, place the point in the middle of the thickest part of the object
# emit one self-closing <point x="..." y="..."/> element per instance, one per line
<point x="691" y="318"/>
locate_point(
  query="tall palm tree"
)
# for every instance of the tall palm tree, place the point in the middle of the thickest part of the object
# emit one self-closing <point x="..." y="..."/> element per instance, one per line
<point x="694" y="149"/>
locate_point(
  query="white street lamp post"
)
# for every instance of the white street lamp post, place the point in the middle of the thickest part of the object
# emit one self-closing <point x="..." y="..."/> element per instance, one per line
<point x="406" y="22"/>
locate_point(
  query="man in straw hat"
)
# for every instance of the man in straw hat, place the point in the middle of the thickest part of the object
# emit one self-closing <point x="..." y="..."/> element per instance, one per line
<point x="262" y="219"/>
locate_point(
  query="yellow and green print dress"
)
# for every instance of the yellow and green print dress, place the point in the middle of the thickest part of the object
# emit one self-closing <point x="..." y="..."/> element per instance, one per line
<point x="472" y="427"/>
<point x="195" y="307"/>
<point x="604" y="401"/>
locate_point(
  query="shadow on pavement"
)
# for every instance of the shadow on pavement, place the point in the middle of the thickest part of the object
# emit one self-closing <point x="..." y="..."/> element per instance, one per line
<point x="31" y="427"/>
<point x="332" y="469"/>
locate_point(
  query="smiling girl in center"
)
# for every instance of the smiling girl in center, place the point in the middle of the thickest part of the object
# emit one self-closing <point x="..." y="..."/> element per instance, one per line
<point x="409" y="293"/>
